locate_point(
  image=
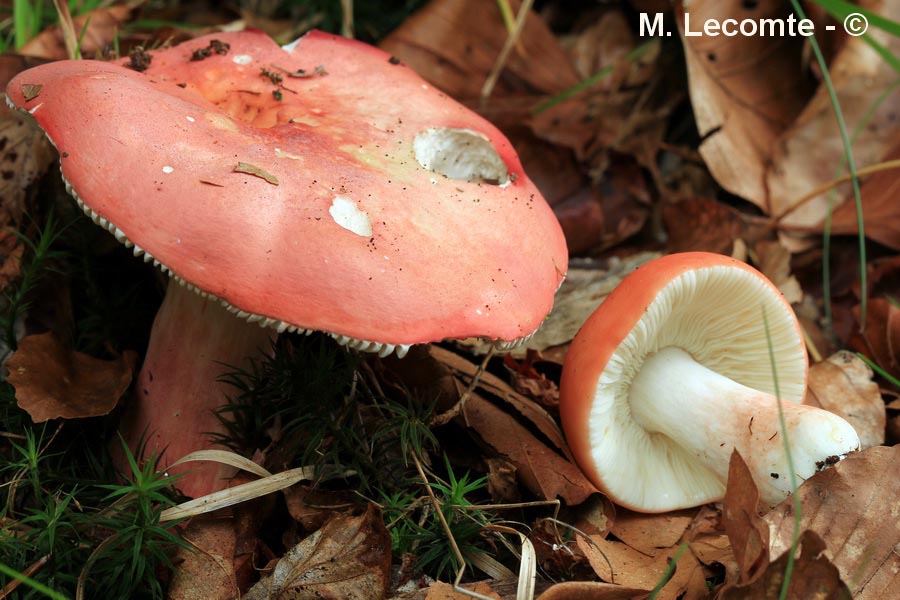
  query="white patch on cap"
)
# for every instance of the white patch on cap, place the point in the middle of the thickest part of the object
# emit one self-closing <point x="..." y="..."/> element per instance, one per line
<point x="167" y="169"/>
<point x="191" y="119"/>
<point x="242" y="59"/>
<point x="460" y="154"/>
<point x="282" y="154"/>
<point x="31" y="111"/>
<point x="346" y="214"/>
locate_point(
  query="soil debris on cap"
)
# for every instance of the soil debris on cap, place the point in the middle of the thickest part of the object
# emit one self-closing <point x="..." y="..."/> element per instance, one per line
<point x="214" y="47"/>
<point x="140" y="59"/>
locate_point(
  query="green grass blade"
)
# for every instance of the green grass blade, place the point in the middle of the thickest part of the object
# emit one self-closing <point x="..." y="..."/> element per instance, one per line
<point x="35" y="585"/>
<point x="23" y="19"/>
<point x="670" y="569"/>
<point x="839" y="9"/>
<point x="795" y="537"/>
<point x="851" y="163"/>
<point x="878" y="369"/>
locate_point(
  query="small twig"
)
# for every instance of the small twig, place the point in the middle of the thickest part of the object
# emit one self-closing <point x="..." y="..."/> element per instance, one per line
<point x="453" y="545"/>
<point x="457" y="408"/>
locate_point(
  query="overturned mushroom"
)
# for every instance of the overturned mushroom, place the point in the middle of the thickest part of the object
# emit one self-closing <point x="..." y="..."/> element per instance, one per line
<point x="360" y="201"/>
<point x="672" y="373"/>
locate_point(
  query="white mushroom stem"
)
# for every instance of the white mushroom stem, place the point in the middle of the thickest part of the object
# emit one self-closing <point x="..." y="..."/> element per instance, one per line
<point x="177" y="392"/>
<point x="709" y="415"/>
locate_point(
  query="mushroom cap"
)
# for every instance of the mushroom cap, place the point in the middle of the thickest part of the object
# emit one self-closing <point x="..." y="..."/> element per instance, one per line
<point x="364" y="202"/>
<point x="706" y="304"/>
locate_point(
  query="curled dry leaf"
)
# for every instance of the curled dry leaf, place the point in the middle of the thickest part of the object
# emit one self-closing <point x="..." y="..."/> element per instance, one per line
<point x="771" y="140"/>
<point x="543" y="471"/>
<point x="810" y="152"/>
<point x="205" y="569"/>
<point x="813" y="576"/>
<point x="456" y="366"/>
<point x="843" y="385"/>
<point x="747" y="531"/>
<point x="100" y="28"/>
<point x="853" y="508"/>
<point x="745" y="92"/>
<point x="52" y="382"/>
<point x="349" y="558"/>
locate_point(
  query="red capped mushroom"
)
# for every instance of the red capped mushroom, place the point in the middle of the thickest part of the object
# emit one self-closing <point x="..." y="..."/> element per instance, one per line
<point x="320" y="186"/>
<point x="672" y="373"/>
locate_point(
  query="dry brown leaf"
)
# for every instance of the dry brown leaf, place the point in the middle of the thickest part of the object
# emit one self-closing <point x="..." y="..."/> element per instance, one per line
<point x="771" y="140"/>
<point x="444" y="591"/>
<point x="616" y="112"/>
<point x="465" y="370"/>
<point x="843" y="385"/>
<point x="774" y="261"/>
<point x="543" y="471"/>
<point x="595" y="516"/>
<point x="613" y="209"/>
<point x="501" y="481"/>
<point x="349" y="558"/>
<point x="881" y="339"/>
<point x="25" y="155"/>
<point x="715" y="548"/>
<point x="648" y="533"/>
<point x="52" y="382"/>
<point x="591" y="590"/>
<point x="701" y="224"/>
<point x="813" y="577"/>
<point x="455" y="43"/>
<point x="853" y="507"/>
<point x="881" y="211"/>
<point x="529" y="381"/>
<point x="747" y="531"/>
<point x="205" y="569"/>
<point x="582" y="220"/>
<point x="312" y="506"/>
<point x="616" y="562"/>
<point x="810" y="151"/>
<point x="745" y="92"/>
<point x="102" y="28"/>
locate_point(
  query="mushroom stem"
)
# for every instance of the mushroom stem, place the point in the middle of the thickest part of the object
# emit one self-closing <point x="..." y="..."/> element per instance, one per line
<point x="193" y="341"/>
<point x="709" y="415"/>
